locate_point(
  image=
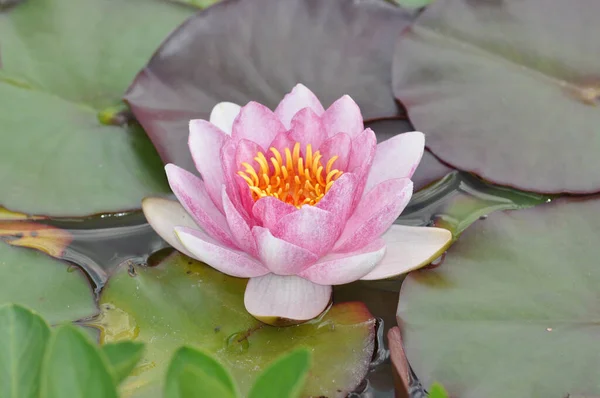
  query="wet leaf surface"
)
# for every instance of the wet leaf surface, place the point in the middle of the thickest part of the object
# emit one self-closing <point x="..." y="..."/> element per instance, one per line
<point x="60" y="293"/>
<point x="258" y="51"/>
<point x="513" y="310"/>
<point x="182" y="301"/>
<point x="506" y="91"/>
<point x="63" y="63"/>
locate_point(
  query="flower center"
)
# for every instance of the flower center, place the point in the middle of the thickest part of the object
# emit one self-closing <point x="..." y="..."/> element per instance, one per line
<point x="297" y="180"/>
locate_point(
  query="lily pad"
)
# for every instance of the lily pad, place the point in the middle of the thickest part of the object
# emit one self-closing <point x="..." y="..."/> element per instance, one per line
<point x="241" y="51"/>
<point x="63" y="63"/>
<point x="182" y="301"/>
<point x="507" y="91"/>
<point x="513" y="310"/>
<point x="58" y="292"/>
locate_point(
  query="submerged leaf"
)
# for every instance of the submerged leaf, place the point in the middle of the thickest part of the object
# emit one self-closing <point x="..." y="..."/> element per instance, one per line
<point x="507" y="91"/>
<point x="48" y="239"/>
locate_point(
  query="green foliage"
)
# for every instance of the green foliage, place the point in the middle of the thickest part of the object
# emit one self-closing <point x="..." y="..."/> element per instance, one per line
<point x="36" y="362"/>
<point x="437" y="391"/>
<point x="194" y="373"/>
<point x="284" y="377"/>
<point x="123" y="356"/>
<point x="23" y="337"/>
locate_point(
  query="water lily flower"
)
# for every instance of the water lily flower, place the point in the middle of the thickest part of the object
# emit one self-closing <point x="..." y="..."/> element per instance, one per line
<point x="297" y="199"/>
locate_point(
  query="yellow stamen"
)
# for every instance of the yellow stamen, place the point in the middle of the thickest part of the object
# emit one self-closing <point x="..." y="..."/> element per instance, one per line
<point x="295" y="178"/>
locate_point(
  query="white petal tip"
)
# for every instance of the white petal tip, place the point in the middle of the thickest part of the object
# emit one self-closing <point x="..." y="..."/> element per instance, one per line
<point x="408" y="249"/>
<point x="164" y="215"/>
<point x="285" y="300"/>
<point x="223" y="115"/>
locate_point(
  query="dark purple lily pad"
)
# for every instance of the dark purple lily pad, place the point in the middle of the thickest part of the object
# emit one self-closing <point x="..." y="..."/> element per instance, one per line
<point x="507" y="89"/>
<point x="257" y="50"/>
<point x="513" y="310"/>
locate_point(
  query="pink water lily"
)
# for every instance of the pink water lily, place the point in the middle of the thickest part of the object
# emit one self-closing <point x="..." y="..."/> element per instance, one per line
<point x="297" y="199"/>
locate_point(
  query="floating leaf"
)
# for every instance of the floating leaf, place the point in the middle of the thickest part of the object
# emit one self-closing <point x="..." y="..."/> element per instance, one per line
<point x="513" y="310"/>
<point x="63" y="62"/>
<point x="48" y="239"/>
<point x="58" y="292"/>
<point x="506" y="93"/>
<point x="258" y="51"/>
<point x="122" y="357"/>
<point x="284" y="377"/>
<point x="73" y="367"/>
<point x="23" y="337"/>
<point x="182" y="301"/>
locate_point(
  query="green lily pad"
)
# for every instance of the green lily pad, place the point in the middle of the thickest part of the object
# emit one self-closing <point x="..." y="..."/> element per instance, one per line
<point x="513" y="310"/>
<point x="63" y="63"/>
<point x="507" y="89"/>
<point x="182" y="301"/>
<point x="58" y="292"/>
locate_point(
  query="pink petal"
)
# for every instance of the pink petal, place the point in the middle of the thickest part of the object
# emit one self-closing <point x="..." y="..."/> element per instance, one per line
<point x="223" y="115"/>
<point x="239" y="227"/>
<point x="307" y="128"/>
<point x="281" y="142"/>
<point x="397" y="157"/>
<point x="164" y="215"/>
<point x="364" y="146"/>
<point x="256" y="123"/>
<point x="231" y="262"/>
<point x="361" y="157"/>
<point x="300" y="97"/>
<point x="272" y="297"/>
<point x="269" y="211"/>
<point x="340" y="197"/>
<point x="409" y="248"/>
<point x="338" y="145"/>
<point x="246" y="151"/>
<point x="314" y="229"/>
<point x="374" y="214"/>
<point x="341" y="268"/>
<point x="192" y="194"/>
<point x="281" y="257"/>
<point x="343" y="116"/>
<point x="205" y="142"/>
